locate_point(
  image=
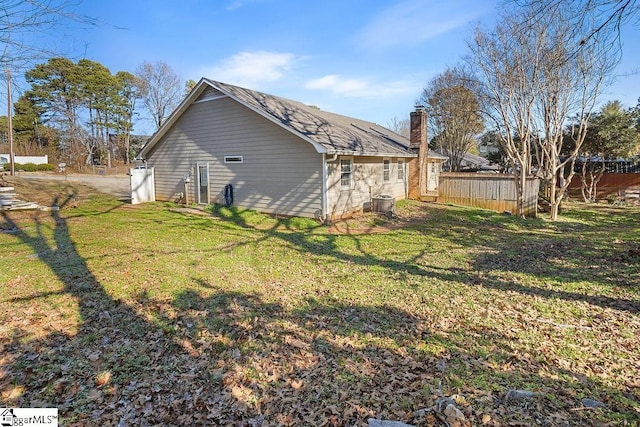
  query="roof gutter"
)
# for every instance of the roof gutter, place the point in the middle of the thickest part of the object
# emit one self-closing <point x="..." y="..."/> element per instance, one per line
<point x="371" y="154"/>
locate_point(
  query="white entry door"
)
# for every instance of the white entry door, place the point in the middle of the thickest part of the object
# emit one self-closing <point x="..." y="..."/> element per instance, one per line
<point x="203" y="183"/>
<point x="433" y="175"/>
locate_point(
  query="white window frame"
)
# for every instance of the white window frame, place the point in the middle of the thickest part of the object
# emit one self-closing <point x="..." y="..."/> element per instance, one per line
<point x="386" y="169"/>
<point x="400" y="165"/>
<point x="234" y="159"/>
<point x="350" y="172"/>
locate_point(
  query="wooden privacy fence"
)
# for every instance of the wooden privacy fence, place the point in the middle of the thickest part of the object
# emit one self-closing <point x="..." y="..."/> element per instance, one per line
<point x="488" y="191"/>
<point x="611" y="184"/>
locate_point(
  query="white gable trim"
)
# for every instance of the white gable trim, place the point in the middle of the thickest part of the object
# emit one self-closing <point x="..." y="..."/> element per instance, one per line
<point x="195" y="93"/>
<point x="211" y="98"/>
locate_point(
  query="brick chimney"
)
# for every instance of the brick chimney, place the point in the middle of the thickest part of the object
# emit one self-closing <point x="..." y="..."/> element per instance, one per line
<point x="418" y="144"/>
<point x="418" y="128"/>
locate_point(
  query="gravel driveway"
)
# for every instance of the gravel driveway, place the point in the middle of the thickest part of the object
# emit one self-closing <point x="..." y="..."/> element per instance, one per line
<point x="116" y="185"/>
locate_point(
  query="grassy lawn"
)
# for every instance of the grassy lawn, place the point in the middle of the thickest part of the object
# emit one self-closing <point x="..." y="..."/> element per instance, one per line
<point x="155" y="314"/>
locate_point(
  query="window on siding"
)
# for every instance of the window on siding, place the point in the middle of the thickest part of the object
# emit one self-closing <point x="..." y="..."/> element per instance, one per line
<point x="400" y="170"/>
<point x="386" y="170"/>
<point x="346" y="170"/>
<point x="233" y="159"/>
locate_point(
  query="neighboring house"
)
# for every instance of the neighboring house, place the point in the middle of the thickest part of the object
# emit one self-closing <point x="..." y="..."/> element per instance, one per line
<point x="228" y="144"/>
<point x="473" y="162"/>
<point x="486" y="148"/>
<point x="611" y="165"/>
<point x="470" y="162"/>
<point x="36" y="160"/>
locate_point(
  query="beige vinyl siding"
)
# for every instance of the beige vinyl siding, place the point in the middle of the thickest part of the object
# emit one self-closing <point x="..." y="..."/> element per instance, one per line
<point x="367" y="181"/>
<point x="280" y="172"/>
<point x="209" y="92"/>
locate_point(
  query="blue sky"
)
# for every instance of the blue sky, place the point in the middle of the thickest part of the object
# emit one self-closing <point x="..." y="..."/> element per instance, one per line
<point x="364" y="58"/>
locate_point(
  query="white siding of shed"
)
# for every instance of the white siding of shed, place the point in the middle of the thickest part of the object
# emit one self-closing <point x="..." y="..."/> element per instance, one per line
<point x="367" y="182"/>
<point x="280" y="173"/>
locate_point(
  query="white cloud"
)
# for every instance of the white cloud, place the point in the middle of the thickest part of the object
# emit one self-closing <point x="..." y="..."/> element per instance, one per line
<point x="238" y="4"/>
<point x="251" y="69"/>
<point x="359" y="88"/>
<point x="234" y="5"/>
<point x="338" y="85"/>
<point x="410" y="23"/>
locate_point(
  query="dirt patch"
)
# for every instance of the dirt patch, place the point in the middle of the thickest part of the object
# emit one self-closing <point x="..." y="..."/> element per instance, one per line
<point x="366" y="223"/>
<point x="370" y="222"/>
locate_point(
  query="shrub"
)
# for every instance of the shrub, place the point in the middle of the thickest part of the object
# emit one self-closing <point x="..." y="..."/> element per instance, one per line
<point x="30" y="167"/>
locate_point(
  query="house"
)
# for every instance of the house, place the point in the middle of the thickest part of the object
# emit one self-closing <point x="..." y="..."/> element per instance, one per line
<point x="36" y="160"/>
<point x="470" y="163"/>
<point x="487" y="147"/>
<point x="230" y="145"/>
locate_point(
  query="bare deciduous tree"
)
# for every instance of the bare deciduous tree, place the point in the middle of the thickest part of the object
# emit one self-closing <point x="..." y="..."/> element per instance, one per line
<point x="162" y="90"/>
<point x="534" y="79"/>
<point x="505" y="64"/>
<point x="454" y="113"/>
<point x="399" y="126"/>
<point x="596" y="18"/>
<point x="21" y="18"/>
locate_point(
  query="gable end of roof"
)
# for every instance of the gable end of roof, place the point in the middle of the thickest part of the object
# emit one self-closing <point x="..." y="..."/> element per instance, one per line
<point x="329" y="133"/>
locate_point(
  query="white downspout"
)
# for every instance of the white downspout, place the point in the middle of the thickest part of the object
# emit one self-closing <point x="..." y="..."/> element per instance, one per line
<point x="325" y="189"/>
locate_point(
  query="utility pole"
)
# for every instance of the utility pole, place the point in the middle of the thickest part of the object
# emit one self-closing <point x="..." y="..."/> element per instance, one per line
<point x="10" y="124"/>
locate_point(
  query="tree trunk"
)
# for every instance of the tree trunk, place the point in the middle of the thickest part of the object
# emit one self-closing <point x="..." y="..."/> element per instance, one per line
<point x="554" y="199"/>
<point x="584" y="187"/>
<point x="521" y="181"/>
<point x="597" y="179"/>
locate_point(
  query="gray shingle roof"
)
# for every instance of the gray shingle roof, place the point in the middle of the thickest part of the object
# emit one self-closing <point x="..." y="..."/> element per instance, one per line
<point x="336" y="133"/>
<point x="330" y="133"/>
<point x="471" y="159"/>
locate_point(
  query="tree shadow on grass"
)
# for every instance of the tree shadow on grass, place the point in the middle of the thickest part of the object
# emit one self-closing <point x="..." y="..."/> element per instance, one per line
<point x="111" y="367"/>
<point x="501" y="250"/>
<point x="211" y="356"/>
